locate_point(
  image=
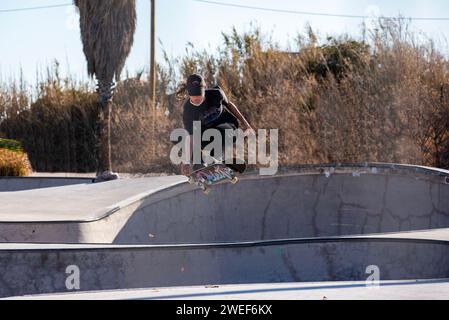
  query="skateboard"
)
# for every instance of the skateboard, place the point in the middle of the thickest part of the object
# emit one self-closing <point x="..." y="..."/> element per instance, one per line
<point x="207" y="176"/>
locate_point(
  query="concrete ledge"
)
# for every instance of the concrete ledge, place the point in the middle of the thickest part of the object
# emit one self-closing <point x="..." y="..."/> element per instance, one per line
<point x="12" y="184"/>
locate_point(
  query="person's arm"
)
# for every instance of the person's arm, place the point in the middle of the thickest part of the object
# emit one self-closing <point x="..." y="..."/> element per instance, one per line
<point x="186" y="168"/>
<point x="236" y="112"/>
<point x="232" y="108"/>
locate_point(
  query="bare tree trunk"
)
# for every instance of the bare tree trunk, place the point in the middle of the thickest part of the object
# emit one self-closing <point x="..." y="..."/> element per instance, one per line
<point x="105" y="91"/>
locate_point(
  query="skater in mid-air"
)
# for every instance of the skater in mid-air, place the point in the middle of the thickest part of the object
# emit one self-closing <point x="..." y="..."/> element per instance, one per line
<point x="213" y="109"/>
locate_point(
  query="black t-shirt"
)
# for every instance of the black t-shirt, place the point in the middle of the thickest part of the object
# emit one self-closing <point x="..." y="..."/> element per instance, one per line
<point x="211" y="112"/>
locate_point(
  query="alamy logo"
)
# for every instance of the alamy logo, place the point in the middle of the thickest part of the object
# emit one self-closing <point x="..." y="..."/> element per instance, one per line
<point x="189" y="149"/>
<point x="73" y="280"/>
<point x="373" y="281"/>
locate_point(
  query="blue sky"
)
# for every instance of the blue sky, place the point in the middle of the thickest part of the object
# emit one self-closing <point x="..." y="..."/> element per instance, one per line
<point x="33" y="39"/>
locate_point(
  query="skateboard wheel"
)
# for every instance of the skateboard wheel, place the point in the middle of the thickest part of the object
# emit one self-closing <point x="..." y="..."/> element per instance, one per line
<point x="235" y="180"/>
<point x="206" y="191"/>
<point x="191" y="180"/>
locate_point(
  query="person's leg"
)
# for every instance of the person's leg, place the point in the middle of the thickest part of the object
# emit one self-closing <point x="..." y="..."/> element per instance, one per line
<point x="223" y="127"/>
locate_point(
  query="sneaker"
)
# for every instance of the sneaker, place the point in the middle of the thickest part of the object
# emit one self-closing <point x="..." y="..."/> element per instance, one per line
<point x="106" y="176"/>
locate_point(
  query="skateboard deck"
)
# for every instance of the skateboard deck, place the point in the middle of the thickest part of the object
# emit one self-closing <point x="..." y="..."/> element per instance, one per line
<point x="208" y="176"/>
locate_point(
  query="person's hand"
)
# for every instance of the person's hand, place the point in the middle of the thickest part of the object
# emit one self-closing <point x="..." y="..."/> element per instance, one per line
<point x="248" y="130"/>
<point x="186" y="169"/>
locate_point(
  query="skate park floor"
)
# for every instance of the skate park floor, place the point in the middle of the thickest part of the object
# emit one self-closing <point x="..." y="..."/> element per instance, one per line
<point x="384" y="290"/>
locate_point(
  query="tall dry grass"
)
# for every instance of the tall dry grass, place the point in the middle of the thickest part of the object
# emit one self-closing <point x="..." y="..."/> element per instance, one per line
<point x="384" y="98"/>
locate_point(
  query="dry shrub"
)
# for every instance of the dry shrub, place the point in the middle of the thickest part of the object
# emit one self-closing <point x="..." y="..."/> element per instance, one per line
<point x="57" y="128"/>
<point x="140" y="131"/>
<point x="14" y="164"/>
<point x="385" y="98"/>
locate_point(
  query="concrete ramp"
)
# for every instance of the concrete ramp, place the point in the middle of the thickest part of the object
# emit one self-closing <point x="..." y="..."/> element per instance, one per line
<point x="309" y="201"/>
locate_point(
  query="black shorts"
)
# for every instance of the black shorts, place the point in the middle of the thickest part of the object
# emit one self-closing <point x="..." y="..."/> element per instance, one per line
<point x="222" y="127"/>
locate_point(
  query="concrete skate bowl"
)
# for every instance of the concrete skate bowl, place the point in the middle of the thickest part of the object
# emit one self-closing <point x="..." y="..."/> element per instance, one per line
<point x="309" y="223"/>
<point x="306" y="202"/>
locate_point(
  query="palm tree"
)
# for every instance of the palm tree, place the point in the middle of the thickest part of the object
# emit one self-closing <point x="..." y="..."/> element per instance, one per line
<point x="107" y="33"/>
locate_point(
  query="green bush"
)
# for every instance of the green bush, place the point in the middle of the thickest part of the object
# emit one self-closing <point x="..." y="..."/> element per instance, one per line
<point x="12" y="145"/>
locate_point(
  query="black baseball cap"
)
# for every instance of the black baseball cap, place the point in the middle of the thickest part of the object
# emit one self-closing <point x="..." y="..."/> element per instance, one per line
<point x="196" y="85"/>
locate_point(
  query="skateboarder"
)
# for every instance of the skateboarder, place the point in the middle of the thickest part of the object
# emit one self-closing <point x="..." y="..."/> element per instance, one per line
<point x="213" y="109"/>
